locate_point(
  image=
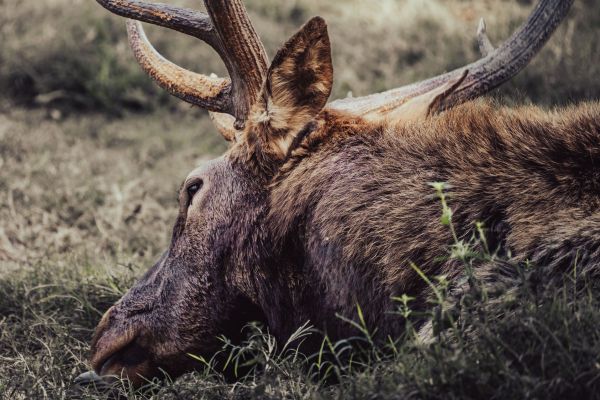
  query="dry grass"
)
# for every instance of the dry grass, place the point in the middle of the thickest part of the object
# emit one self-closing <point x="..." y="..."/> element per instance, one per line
<point x="91" y="155"/>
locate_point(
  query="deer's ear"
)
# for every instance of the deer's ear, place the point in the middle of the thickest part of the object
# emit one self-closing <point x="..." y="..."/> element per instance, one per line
<point x="296" y="89"/>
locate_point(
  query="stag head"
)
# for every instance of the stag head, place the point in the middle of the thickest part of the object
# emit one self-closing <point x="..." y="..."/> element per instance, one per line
<point x="227" y="262"/>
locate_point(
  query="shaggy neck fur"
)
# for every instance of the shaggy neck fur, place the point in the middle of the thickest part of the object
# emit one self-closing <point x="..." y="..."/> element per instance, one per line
<point x="352" y="207"/>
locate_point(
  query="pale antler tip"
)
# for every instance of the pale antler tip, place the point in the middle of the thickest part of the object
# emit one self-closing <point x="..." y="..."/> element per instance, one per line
<point x="485" y="45"/>
<point x="481" y="27"/>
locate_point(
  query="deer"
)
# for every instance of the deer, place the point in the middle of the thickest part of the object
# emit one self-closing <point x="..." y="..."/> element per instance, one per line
<point x="320" y="205"/>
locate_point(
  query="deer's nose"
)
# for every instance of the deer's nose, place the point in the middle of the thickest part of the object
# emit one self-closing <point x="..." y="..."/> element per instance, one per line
<point x="118" y="349"/>
<point x="112" y="335"/>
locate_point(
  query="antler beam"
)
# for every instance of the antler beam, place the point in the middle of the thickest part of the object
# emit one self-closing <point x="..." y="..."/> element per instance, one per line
<point x="184" y="20"/>
<point x="484" y="75"/>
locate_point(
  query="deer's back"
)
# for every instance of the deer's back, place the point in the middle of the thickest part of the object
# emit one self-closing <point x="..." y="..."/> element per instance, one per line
<point x="368" y="209"/>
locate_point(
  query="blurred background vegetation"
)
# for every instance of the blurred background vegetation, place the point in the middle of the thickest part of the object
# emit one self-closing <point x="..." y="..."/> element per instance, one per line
<point x="92" y="152"/>
<point x="74" y="54"/>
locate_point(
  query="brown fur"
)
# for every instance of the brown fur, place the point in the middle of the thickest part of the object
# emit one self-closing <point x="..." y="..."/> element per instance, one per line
<point x="362" y="189"/>
<point x="312" y="214"/>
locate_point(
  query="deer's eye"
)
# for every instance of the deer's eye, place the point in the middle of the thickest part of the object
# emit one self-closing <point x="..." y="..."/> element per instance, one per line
<point x="192" y="190"/>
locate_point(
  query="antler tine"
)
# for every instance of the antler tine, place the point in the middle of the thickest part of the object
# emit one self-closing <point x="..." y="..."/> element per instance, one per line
<point x="484" y="75"/>
<point x="483" y="41"/>
<point x="209" y="92"/>
<point x="226" y="28"/>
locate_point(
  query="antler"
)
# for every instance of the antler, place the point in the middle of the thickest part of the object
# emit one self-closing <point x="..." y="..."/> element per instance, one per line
<point x="497" y="67"/>
<point x="226" y="28"/>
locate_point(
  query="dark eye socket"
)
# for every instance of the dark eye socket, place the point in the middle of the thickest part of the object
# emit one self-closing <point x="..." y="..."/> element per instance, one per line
<point x="192" y="190"/>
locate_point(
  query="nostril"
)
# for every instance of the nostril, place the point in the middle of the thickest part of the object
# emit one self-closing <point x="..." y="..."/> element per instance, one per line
<point x="107" y="343"/>
<point x="132" y="362"/>
<point x="128" y="357"/>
